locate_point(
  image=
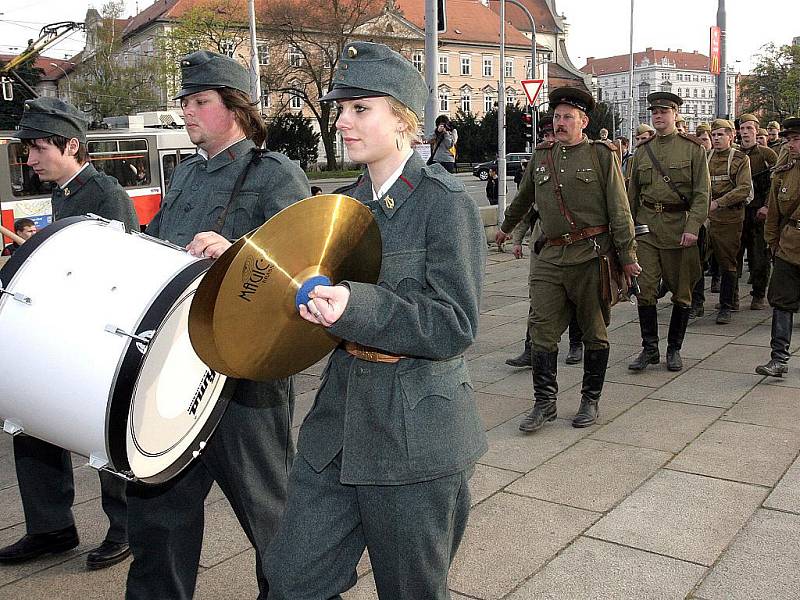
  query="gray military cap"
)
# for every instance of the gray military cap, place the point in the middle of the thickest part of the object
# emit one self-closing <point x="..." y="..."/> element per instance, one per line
<point x="204" y="70"/>
<point x="44" y="117"/>
<point x="366" y="70"/>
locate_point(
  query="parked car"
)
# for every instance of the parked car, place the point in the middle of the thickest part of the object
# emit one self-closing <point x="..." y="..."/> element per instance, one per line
<point x="513" y="165"/>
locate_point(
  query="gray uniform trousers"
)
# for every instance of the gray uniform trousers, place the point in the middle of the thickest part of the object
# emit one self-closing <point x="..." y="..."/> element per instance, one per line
<point x="412" y="532"/>
<point x="249" y="456"/>
<point x="47" y="488"/>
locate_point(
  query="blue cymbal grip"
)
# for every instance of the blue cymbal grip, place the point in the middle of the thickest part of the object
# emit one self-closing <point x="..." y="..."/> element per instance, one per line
<point x="308" y="285"/>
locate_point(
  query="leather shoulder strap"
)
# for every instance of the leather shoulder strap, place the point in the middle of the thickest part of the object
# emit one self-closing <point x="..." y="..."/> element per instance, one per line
<point x="256" y="154"/>
<point x="666" y="177"/>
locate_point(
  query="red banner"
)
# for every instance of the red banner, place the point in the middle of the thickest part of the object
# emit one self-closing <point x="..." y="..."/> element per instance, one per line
<point x="714" y="50"/>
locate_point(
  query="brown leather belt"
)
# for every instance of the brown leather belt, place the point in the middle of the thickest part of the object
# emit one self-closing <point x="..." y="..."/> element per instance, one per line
<point x="734" y="206"/>
<point x="577" y="236"/>
<point x="665" y="206"/>
<point x="371" y="354"/>
<point x="794" y="223"/>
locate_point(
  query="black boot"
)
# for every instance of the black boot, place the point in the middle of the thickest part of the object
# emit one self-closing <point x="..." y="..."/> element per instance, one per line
<point x="781" y="338"/>
<point x="575" y="354"/>
<point x="715" y="284"/>
<point x="523" y="360"/>
<point x="677" y="330"/>
<point x="35" y="545"/>
<point x="594" y="374"/>
<point x="648" y="324"/>
<point x="727" y="290"/>
<point x="545" y="389"/>
<point x="698" y="299"/>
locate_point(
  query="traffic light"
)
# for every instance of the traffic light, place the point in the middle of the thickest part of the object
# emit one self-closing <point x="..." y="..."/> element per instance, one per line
<point x="527" y="129"/>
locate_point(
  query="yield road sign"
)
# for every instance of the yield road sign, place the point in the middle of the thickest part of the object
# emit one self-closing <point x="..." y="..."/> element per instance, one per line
<point x="532" y="88"/>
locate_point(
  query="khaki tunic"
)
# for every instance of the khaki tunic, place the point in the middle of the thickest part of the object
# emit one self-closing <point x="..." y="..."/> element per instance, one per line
<point x="565" y="279"/>
<point x="732" y="190"/>
<point x="784" y="204"/>
<point x="661" y="254"/>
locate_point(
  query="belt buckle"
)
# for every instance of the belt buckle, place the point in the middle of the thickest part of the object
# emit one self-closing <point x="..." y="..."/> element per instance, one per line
<point x="658" y="207"/>
<point x="567" y="237"/>
<point x="371" y="355"/>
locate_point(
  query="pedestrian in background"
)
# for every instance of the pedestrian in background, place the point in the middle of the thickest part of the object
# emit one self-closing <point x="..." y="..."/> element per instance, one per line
<point x="443" y="144"/>
<point x="492" y="185"/>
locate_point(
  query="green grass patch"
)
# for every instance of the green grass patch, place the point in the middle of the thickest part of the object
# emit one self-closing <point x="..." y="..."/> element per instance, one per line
<point x="312" y="175"/>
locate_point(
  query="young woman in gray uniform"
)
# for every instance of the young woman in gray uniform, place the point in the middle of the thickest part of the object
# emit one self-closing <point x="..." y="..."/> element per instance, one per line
<point x="385" y="453"/>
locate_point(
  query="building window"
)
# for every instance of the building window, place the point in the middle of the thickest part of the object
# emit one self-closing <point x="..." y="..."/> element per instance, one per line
<point x="509" y="67"/>
<point x="443" y="70"/>
<point x="296" y="102"/>
<point x="487" y="66"/>
<point x="511" y="96"/>
<point x="263" y="54"/>
<point x="466" y="65"/>
<point x="295" y="56"/>
<point x="444" y="99"/>
<point x="488" y="102"/>
<point x="694" y="93"/>
<point x="227" y="47"/>
<point x="416" y="60"/>
<point x="466" y="99"/>
<point x="528" y="70"/>
<point x="265" y="99"/>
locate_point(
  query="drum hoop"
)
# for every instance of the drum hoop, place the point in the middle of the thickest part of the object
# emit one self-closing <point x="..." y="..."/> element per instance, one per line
<point x="127" y="374"/>
<point x="21" y="254"/>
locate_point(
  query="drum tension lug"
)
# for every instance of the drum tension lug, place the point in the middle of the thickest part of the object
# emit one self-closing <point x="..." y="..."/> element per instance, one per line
<point x="123" y="333"/>
<point x="18" y="296"/>
<point x="12" y="428"/>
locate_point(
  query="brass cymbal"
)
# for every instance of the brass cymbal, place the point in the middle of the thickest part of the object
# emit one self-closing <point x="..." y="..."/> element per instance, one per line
<point x="244" y="322"/>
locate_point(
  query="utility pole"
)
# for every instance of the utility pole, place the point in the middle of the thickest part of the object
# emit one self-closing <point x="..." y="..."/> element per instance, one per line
<point x="501" y="120"/>
<point x="431" y="64"/>
<point x="631" y="101"/>
<point x="255" y="61"/>
<point x="722" y="84"/>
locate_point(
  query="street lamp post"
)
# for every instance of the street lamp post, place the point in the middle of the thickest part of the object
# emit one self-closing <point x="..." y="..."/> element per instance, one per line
<point x="66" y="75"/>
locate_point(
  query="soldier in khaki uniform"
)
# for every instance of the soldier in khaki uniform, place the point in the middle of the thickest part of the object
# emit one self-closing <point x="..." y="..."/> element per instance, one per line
<point x="731" y="191"/>
<point x="680" y="124"/>
<point x="579" y="191"/>
<point x="669" y="192"/>
<point x="774" y="138"/>
<point x="758" y="259"/>
<point x="782" y="233"/>
<point x="703" y="133"/>
<point x="762" y="137"/>
<point x="643" y="133"/>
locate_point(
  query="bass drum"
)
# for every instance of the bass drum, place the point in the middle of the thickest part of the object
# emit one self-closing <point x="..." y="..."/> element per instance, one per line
<point x="95" y="354"/>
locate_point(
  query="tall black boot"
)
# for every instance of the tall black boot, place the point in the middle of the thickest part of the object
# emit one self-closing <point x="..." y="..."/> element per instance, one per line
<point x="575" y="354"/>
<point x="727" y="289"/>
<point x="698" y="299"/>
<point x="595" y="363"/>
<point x="781" y="338"/>
<point x="648" y="324"/>
<point x="677" y="330"/>
<point x="524" y="359"/>
<point x="545" y="389"/>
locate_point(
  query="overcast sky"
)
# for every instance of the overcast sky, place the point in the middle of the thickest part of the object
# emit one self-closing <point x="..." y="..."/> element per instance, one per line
<point x="597" y="27"/>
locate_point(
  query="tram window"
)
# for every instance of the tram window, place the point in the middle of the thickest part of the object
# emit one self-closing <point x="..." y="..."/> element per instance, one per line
<point x="168" y="164"/>
<point x="24" y="182"/>
<point x="126" y="161"/>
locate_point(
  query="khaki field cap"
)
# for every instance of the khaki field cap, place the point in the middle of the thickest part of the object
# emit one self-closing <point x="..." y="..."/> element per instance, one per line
<point x="748" y="118"/>
<point x="367" y="70"/>
<point x="663" y="100"/>
<point x="44" y="117"/>
<point x="644" y="128"/>
<point x="721" y="124"/>
<point x="680" y="119"/>
<point x="204" y="70"/>
<point x="573" y="97"/>
<point x="790" y="125"/>
<point x="773" y="125"/>
<point x="702" y="127"/>
<point x="762" y="131"/>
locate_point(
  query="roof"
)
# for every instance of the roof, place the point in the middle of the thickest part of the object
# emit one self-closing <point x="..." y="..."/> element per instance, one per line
<point x="157" y="10"/>
<point x="691" y="61"/>
<point x="558" y="76"/>
<point x="540" y="10"/>
<point x="44" y="63"/>
<point x="468" y="21"/>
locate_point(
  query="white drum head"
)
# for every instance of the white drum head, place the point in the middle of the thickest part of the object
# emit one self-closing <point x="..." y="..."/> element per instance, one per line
<point x="176" y="401"/>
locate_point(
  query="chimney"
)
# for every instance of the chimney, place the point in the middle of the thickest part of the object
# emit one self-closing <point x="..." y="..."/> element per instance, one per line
<point x="678" y="50"/>
<point x="648" y="49"/>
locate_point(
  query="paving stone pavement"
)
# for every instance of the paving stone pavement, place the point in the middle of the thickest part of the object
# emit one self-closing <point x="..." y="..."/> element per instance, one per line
<point x="687" y="488"/>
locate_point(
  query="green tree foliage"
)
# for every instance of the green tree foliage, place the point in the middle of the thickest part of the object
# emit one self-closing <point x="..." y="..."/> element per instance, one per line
<point x="603" y="116"/>
<point x="773" y="88"/>
<point x="471" y="140"/>
<point x="11" y="111"/>
<point x="292" y="134"/>
<point x="110" y="81"/>
<point x="477" y="140"/>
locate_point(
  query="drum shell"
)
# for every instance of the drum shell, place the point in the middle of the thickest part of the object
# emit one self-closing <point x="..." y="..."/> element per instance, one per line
<point x="58" y="362"/>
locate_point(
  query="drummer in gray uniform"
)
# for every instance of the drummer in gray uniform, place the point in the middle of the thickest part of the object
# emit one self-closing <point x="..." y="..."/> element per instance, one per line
<point x="54" y="133"/>
<point x="251" y="451"/>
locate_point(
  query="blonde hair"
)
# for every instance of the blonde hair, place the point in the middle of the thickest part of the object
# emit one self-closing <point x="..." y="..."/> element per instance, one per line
<point x="408" y="117"/>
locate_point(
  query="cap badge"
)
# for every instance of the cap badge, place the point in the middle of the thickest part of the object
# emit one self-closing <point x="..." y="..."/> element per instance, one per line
<point x="352" y="52"/>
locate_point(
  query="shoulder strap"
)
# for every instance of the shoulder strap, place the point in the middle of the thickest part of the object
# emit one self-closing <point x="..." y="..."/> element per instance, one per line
<point x="557" y="190"/>
<point x="666" y="177"/>
<point x="257" y="153"/>
<point x="598" y="168"/>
